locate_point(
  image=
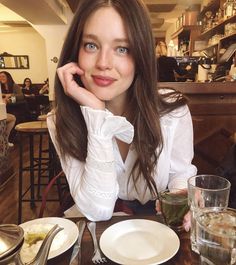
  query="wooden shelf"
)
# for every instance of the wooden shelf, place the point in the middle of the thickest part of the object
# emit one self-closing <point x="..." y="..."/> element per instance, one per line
<point x="219" y="30"/>
<point x="184" y="29"/>
<point x="220" y="40"/>
<point x="228" y="36"/>
<point x="213" y="5"/>
<point x="210" y="46"/>
<point x="217" y="27"/>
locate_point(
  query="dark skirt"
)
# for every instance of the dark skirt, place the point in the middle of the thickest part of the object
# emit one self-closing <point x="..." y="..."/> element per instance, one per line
<point x="135" y="207"/>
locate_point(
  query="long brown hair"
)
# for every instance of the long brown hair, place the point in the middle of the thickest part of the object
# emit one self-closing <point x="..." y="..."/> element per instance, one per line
<point x="7" y="88"/>
<point x="147" y="105"/>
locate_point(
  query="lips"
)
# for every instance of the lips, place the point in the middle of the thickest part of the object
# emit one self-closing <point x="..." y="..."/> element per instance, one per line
<point x="103" y="80"/>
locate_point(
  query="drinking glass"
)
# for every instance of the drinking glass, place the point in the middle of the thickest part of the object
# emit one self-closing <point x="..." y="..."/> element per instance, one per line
<point x="174" y="206"/>
<point x="216" y="236"/>
<point x="206" y="191"/>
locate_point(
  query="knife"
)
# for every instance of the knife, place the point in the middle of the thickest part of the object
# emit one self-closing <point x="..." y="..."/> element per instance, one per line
<point x="76" y="253"/>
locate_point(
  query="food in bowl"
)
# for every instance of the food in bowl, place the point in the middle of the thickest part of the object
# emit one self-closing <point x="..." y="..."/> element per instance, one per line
<point x="33" y="238"/>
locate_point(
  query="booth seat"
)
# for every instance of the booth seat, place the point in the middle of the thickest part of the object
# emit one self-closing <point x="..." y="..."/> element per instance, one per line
<point x="30" y="108"/>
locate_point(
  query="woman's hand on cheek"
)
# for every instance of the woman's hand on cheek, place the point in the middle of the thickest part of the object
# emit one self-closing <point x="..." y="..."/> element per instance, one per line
<point x="72" y="89"/>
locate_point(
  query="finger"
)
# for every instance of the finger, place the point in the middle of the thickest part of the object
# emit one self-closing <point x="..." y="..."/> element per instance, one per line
<point x="72" y="89"/>
<point x="187" y="221"/>
<point x="70" y="69"/>
<point x="158" y="206"/>
<point x="70" y="85"/>
<point x="68" y="65"/>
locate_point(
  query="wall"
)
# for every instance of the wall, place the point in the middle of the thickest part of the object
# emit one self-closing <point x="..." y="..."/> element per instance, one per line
<point x="54" y="36"/>
<point x="26" y="41"/>
<point x="169" y="32"/>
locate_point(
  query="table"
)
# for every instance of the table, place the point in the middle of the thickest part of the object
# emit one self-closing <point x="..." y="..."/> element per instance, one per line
<point x="183" y="257"/>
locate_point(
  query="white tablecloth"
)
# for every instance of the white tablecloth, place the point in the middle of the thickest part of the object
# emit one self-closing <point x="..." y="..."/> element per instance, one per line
<point x="3" y="113"/>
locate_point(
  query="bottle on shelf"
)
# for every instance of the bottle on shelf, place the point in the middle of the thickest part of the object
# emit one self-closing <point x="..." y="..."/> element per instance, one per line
<point x="228" y="8"/>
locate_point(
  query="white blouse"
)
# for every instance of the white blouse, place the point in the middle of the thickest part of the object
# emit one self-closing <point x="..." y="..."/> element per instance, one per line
<point x="96" y="184"/>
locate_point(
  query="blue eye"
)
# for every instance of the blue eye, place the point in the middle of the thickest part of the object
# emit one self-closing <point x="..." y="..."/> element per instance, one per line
<point x="122" y="50"/>
<point x="90" y="46"/>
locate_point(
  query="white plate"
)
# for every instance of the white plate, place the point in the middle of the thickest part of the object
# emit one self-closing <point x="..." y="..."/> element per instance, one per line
<point x="139" y="242"/>
<point x="68" y="235"/>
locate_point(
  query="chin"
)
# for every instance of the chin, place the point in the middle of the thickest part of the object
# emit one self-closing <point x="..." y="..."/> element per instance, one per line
<point x="102" y="95"/>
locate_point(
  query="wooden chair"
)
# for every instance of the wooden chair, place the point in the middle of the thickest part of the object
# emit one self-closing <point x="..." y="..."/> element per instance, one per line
<point x="65" y="201"/>
<point x="42" y="162"/>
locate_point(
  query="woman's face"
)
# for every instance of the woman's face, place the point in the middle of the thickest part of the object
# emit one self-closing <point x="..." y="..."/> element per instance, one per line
<point x="27" y="82"/>
<point x="3" y="78"/>
<point x="104" y="55"/>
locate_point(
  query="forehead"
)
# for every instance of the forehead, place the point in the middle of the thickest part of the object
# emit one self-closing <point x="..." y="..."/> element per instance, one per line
<point x="105" y="20"/>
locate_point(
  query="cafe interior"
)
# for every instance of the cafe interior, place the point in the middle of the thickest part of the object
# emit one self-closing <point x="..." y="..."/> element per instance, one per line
<point x="201" y="36"/>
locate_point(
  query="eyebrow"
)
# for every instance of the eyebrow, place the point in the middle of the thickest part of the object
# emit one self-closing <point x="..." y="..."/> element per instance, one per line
<point x="94" y="37"/>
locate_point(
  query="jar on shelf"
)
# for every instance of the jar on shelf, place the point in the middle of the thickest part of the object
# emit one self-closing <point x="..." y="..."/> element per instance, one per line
<point x="230" y="28"/>
<point x="228" y="8"/>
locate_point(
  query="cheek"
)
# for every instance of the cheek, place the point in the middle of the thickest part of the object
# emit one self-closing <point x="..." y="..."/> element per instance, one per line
<point x="84" y="64"/>
<point x="81" y="59"/>
<point x="128" y="70"/>
<point x="84" y="61"/>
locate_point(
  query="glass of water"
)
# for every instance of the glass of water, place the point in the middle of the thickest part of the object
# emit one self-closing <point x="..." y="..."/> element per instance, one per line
<point x="216" y="236"/>
<point x="206" y="191"/>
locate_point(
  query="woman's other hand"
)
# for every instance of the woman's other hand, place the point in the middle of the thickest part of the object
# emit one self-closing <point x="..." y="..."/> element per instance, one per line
<point x="72" y="89"/>
<point x="188" y="67"/>
<point x="187" y="221"/>
<point x="187" y="217"/>
<point x="6" y="98"/>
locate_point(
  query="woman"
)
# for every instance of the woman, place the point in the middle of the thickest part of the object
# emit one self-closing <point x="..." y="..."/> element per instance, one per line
<point x="27" y="88"/>
<point x="167" y="66"/>
<point x="116" y="135"/>
<point x="10" y="90"/>
<point x="33" y="101"/>
<point x="45" y="88"/>
<point x="11" y="93"/>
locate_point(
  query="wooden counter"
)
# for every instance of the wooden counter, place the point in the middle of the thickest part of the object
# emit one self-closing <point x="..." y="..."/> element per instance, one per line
<point x="202" y="88"/>
<point x="213" y="109"/>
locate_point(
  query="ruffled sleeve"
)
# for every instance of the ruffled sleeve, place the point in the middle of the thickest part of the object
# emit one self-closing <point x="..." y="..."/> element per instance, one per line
<point x="105" y="124"/>
<point x="93" y="183"/>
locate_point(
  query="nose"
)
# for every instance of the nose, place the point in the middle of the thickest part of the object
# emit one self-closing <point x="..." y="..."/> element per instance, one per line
<point x="104" y="60"/>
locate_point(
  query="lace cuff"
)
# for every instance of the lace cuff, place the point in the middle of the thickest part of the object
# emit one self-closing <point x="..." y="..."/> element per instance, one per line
<point x="104" y="124"/>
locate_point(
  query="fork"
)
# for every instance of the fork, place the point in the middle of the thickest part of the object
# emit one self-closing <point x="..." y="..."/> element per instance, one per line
<point x="97" y="255"/>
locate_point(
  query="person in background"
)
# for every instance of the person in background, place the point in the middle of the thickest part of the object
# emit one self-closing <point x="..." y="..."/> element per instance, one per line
<point x="45" y="88"/>
<point x="10" y="90"/>
<point x="11" y="93"/>
<point x="33" y="106"/>
<point x="27" y="88"/>
<point x="119" y="138"/>
<point x="167" y="66"/>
